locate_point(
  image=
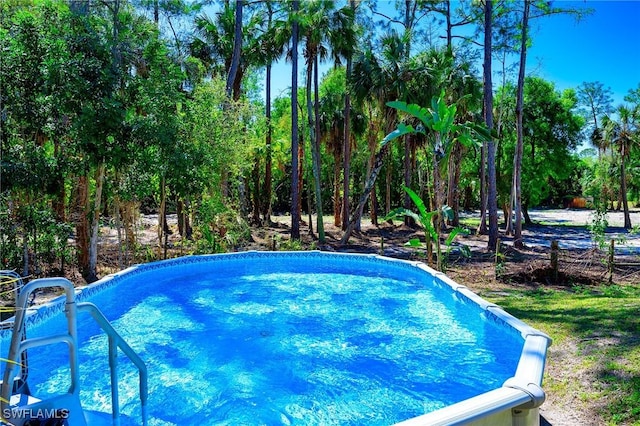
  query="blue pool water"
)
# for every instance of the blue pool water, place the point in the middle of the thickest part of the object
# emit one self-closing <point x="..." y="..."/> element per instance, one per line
<point x="290" y="340"/>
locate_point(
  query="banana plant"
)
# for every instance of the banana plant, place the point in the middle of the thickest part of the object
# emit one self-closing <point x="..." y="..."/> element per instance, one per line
<point x="438" y="124"/>
<point x="431" y="232"/>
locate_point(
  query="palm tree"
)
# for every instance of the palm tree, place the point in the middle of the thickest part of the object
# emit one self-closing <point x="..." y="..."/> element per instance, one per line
<point x="324" y="31"/>
<point x="333" y="120"/>
<point x="346" y="160"/>
<point x="623" y="134"/>
<point x="378" y="79"/>
<point x="295" y="193"/>
<point x="270" y="46"/>
<point x="215" y="45"/>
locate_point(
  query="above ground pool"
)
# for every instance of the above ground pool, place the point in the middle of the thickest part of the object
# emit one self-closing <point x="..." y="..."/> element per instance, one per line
<point x="290" y="338"/>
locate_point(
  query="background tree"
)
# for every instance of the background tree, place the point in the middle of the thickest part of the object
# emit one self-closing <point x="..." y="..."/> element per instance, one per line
<point x="492" y="195"/>
<point x="596" y="102"/>
<point x="622" y="135"/>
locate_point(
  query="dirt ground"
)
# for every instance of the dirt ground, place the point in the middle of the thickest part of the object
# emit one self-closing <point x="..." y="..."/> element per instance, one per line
<point x="581" y="263"/>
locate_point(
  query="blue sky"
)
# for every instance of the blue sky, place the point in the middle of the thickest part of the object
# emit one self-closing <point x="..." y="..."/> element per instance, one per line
<point x="603" y="46"/>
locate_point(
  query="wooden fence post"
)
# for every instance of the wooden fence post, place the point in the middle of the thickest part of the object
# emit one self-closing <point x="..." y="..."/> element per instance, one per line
<point x="611" y="260"/>
<point x="554" y="260"/>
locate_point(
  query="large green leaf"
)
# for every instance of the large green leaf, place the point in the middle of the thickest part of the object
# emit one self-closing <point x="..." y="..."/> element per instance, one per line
<point x="447" y="212"/>
<point x="401" y="212"/>
<point x="418" y="202"/>
<point x="454" y="233"/>
<point x="481" y="131"/>
<point x="415" y="110"/>
<point x="403" y="129"/>
<point x="466" y="140"/>
<point x="414" y="242"/>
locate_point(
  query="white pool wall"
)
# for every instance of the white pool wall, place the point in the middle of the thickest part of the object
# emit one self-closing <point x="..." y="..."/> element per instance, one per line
<point x="517" y="402"/>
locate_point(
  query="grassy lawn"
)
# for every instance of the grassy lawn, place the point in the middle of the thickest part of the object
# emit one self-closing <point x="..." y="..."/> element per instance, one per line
<point x="596" y="351"/>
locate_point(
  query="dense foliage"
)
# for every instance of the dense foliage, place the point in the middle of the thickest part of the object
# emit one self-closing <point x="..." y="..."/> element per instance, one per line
<point x="110" y="109"/>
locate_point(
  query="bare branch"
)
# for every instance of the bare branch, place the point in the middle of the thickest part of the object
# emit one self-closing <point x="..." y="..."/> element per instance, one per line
<point x="390" y="19"/>
<point x="465" y="38"/>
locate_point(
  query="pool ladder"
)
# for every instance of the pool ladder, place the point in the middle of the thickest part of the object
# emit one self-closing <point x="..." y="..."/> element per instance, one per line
<point x="16" y="403"/>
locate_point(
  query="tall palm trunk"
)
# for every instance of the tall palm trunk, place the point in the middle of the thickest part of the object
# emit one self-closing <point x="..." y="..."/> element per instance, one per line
<point x="266" y="202"/>
<point x="237" y="51"/>
<point x="314" y="133"/>
<point x="453" y="182"/>
<point x="439" y="197"/>
<point x="337" y="201"/>
<point x="301" y="172"/>
<point x="623" y="191"/>
<point x="518" y="243"/>
<point x="346" y="150"/>
<point x="482" y="228"/>
<point x="492" y="193"/>
<point x="295" y="176"/>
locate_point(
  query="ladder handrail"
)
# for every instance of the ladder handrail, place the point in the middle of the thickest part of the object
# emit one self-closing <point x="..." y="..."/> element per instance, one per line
<point x="19" y="345"/>
<point x="15" y="349"/>
<point x="118" y="341"/>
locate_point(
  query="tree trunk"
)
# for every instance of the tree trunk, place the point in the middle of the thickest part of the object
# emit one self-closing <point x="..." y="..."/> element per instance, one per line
<point x="118" y="222"/>
<point x="315" y="151"/>
<point x="237" y="51"/>
<point x="266" y="202"/>
<point x="406" y="201"/>
<point x="453" y="181"/>
<point x="525" y="213"/>
<point x="156" y="12"/>
<point x="492" y="193"/>
<point x="438" y="190"/>
<point x="439" y="201"/>
<point x="184" y="224"/>
<point x="255" y="193"/>
<point x="387" y="188"/>
<point x="373" y="206"/>
<point x="346" y="150"/>
<point x="92" y="274"/>
<point x="623" y="192"/>
<point x="482" y="228"/>
<point x="300" y="172"/>
<point x="371" y="180"/>
<point x="337" y="201"/>
<point x="128" y="211"/>
<point x="518" y="242"/>
<point x="468" y="198"/>
<point x="295" y="177"/>
<point x="162" y="211"/>
<point x="81" y="217"/>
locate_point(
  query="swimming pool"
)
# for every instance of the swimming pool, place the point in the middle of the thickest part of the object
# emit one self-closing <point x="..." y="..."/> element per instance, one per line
<point x="304" y="338"/>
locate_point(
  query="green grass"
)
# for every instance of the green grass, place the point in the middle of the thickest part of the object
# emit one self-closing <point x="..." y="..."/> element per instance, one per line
<point x="598" y="331"/>
<point x="470" y="222"/>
